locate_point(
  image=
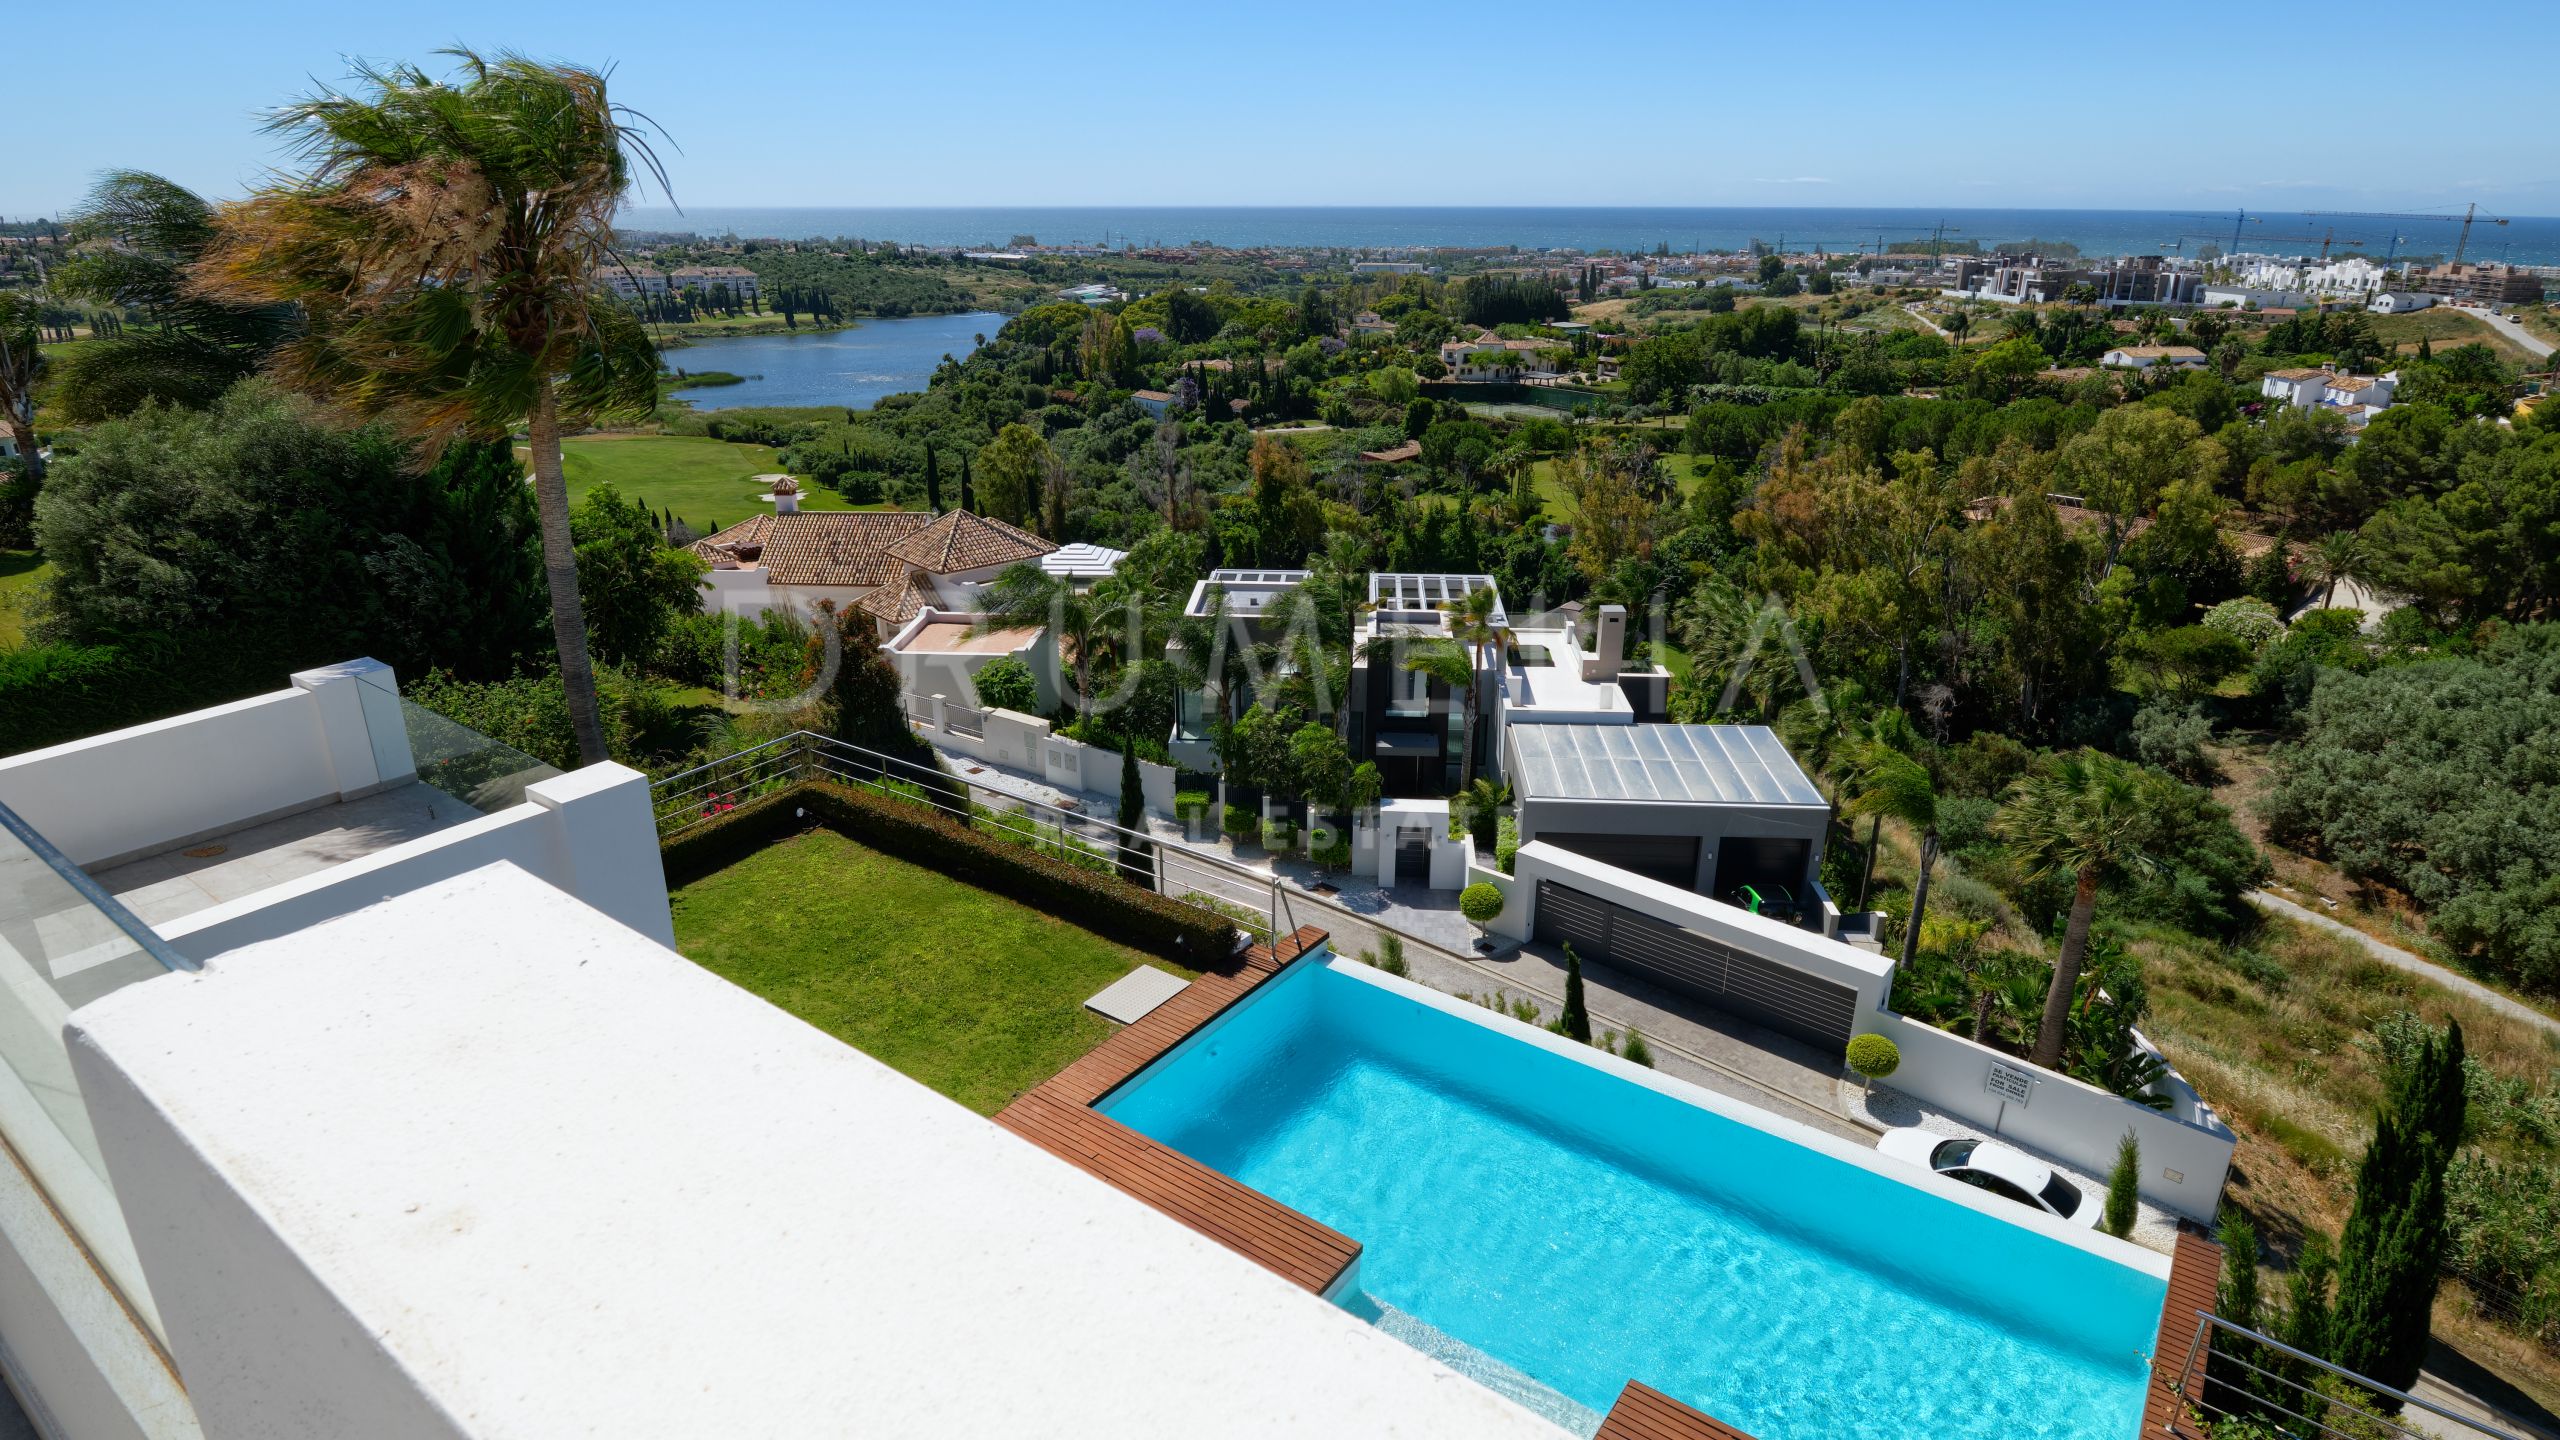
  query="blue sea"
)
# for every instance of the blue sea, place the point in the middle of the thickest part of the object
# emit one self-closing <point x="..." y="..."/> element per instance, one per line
<point x="2523" y="241"/>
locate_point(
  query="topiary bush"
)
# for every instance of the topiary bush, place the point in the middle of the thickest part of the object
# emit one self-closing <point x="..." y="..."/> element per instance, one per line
<point x="1243" y="822"/>
<point x="1506" y="844"/>
<point x="1874" y="1057"/>
<point x="1481" y="903"/>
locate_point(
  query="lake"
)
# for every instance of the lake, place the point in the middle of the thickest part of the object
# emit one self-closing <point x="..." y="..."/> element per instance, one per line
<point x="851" y="368"/>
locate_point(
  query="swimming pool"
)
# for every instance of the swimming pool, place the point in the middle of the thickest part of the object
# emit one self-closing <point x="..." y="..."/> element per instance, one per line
<point x="1532" y="1208"/>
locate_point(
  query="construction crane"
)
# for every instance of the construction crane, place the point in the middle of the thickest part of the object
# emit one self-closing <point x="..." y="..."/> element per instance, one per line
<point x="2470" y="215"/>
<point x="2240" y="219"/>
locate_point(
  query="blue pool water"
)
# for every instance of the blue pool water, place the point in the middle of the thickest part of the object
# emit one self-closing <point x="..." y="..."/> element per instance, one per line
<point x="1583" y="1228"/>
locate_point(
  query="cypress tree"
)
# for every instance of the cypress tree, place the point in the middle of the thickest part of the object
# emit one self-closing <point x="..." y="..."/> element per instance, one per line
<point x="1576" y="1020"/>
<point x="2124" y="1189"/>
<point x="967" y="501"/>
<point x="932" y="481"/>
<point x="1134" y="866"/>
<point x="2391" y="1253"/>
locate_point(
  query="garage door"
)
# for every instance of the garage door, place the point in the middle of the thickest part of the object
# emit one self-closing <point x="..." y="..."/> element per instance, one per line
<point x="1781" y="997"/>
<point x="1671" y="859"/>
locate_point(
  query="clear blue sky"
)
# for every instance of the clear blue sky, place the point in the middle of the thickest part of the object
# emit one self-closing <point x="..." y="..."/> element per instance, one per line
<point x="988" y="102"/>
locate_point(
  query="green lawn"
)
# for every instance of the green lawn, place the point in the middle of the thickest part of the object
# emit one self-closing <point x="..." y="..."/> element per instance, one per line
<point x="971" y="993"/>
<point x="22" y="574"/>
<point x="704" y="481"/>
<point x="1560" y="507"/>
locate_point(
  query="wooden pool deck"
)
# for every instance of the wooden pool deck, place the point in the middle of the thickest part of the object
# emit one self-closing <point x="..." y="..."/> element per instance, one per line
<point x="1644" y="1413"/>
<point x="1058" y="1116"/>
<point x="2195" y="1278"/>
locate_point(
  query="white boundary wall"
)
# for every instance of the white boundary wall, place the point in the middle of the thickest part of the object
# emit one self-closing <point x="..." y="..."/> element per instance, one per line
<point x="2186" y="1151"/>
<point x="1026" y="742"/>
<point x="336" y="734"/>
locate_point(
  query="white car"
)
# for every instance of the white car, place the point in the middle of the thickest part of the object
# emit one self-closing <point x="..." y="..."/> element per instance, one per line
<point x="1990" y="1165"/>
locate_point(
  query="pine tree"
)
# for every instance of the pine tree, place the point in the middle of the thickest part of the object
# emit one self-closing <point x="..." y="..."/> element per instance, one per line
<point x="2391" y="1253"/>
<point x="1576" y="1020"/>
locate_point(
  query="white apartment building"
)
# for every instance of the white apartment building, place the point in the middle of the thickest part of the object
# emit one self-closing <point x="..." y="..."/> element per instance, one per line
<point x="739" y="280"/>
<point x="632" y="282"/>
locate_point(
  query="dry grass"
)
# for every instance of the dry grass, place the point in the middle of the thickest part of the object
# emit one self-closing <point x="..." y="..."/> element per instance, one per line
<point x="2293" y="1068"/>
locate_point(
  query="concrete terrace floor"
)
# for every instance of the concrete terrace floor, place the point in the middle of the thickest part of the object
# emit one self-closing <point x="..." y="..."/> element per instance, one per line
<point x="182" y="880"/>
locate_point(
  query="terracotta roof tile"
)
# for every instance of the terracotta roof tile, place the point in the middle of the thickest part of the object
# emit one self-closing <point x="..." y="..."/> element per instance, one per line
<point x="898" y="603"/>
<point x="961" y="540"/>
<point x="826" y="547"/>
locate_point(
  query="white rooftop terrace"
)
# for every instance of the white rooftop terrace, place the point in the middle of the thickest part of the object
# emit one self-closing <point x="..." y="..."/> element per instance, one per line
<point x="1247" y="591"/>
<point x="1394" y="590"/>
<point x="498" y="1166"/>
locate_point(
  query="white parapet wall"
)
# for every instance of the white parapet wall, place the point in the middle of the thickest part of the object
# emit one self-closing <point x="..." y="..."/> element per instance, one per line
<point x="479" y="1162"/>
<point x="589" y="833"/>
<point x="2186" y="1150"/>
<point x="334" y="734"/>
<point x="1029" y="743"/>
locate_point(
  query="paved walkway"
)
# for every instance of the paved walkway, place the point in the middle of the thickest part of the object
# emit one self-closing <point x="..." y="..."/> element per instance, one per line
<point x="2417" y="965"/>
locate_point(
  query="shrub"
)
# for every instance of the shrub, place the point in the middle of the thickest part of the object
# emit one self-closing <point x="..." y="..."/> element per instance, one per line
<point x="1180" y="932"/>
<point x="1280" y="835"/>
<point x="2124" y="1189"/>
<point x="1005" y="683"/>
<point x="1506" y="844"/>
<point x="2251" y="621"/>
<point x="1242" y="822"/>
<point x="1389" y="956"/>
<point x="2172" y="737"/>
<point x="1481" y="903"/>
<point x="1333" y="856"/>
<point x="1638" y="1051"/>
<point x="1873" y="1056"/>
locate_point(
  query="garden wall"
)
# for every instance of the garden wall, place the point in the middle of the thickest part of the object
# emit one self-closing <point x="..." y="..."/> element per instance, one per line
<point x="1029" y="743"/>
<point x="2184" y="1162"/>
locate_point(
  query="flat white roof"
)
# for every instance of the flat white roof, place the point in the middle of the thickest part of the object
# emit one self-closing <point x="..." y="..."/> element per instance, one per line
<point x="1082" y="561"/>
<point x="1391" y="590"/>
<point x="1674" y="764"/>
<point x="498" y="1157"/>
<point x="1248" y="591"/>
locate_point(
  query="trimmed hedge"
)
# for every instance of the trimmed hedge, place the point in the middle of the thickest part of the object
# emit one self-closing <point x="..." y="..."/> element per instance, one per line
<point x="1100" y="902"/>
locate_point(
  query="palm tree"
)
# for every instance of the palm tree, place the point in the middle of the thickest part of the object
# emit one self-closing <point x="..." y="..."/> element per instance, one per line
<point x="1890" y="784"/>
<point x="2082" y="814"/>
<point x="1961" y="323"/>
<point x="136" y="237"/>
<point x="22" y="365"/>
<point x="2338" y="557"/>
<point x="442" y="245"/>
<point x="1079" y="623"/>
<point x="1447" y="663"/>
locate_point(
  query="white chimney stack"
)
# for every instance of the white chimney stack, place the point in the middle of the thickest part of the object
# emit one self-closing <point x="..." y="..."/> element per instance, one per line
<point x="785" y="496"/>
<point x="1608" y="645"/>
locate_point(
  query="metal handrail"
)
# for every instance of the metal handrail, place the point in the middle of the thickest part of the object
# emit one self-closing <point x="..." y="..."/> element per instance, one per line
<point x="95" y="894"/>
<point x="802" y="754"/>
<point x="2200" y="1350"/>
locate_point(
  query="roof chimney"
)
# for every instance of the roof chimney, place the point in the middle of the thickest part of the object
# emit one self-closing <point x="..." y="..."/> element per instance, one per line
<point x="1608" y="645"/>
<point x="786" y="495"/>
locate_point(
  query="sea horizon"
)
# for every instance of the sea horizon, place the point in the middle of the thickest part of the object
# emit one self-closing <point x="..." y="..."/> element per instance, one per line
<point x="2522" y="240"/>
